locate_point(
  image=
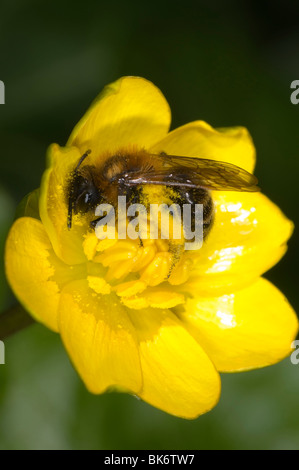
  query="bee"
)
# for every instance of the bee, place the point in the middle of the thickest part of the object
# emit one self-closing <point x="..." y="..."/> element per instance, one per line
<point x="184" y="180"/>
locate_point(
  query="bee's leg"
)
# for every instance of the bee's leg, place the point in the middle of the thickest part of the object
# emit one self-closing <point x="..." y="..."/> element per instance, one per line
<point x="134" y="196"/>
<point x="93" y="223"/>
<point x="176" y="250"/>
<point x="104" y="219"/>
<point x="131" y="217"/>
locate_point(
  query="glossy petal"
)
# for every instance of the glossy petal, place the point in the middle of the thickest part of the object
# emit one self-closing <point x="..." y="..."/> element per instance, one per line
<point x="129" y="112"/>
<point x="199" y="139"/>
<point x="251" y="328"/>
<point x="30" y="271"/>
<point x="53" y="205"/>
<point x="100" y="339"/>
<point x="178" y="376"/>
<point x="248" y="237"/>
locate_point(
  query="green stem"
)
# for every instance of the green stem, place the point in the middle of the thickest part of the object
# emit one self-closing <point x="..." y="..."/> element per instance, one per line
<point x="14" y="319"/>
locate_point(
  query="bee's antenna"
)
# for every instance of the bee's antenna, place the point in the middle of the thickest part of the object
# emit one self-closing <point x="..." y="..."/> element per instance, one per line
<point x="70" y="208"/>
<point x="82" y="159"/>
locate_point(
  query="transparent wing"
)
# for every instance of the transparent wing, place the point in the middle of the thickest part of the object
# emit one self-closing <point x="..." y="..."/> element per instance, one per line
<point x="172" y="170"/>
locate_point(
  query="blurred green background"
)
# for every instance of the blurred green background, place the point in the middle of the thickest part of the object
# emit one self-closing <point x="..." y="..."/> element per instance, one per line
<point x="229" y="63"/>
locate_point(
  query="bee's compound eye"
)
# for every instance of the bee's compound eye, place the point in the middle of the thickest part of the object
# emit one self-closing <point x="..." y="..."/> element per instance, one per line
<point x="84" y="202"/>
<point x="84" y="194"/>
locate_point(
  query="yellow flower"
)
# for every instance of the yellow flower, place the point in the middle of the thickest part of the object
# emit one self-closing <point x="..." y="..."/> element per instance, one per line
<point x="125" y="324"/>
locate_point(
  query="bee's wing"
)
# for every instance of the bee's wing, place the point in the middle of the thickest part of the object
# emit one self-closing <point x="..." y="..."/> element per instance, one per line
<point x="195" y="172"/>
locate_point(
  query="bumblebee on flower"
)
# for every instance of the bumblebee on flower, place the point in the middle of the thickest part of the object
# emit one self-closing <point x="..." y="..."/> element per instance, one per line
<point x="142" y="317"/>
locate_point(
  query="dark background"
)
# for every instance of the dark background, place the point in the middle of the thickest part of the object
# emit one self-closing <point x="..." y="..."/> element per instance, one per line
<point x="229" y="63"/>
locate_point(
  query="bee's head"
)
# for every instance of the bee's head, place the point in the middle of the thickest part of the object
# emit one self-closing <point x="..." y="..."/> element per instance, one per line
<point x="82" y="193"/>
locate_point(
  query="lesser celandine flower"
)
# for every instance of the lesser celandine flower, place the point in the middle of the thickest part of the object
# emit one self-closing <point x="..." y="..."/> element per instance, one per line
<point x="126" y="323"/>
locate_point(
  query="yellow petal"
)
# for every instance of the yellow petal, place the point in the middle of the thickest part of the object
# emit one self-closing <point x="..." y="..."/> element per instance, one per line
<point x="199" y="139"/>
<point x="28" y="207"/>
<point x="251" y="328"/>
<point x="130" y="111"/>
<point x="100" y="339"/>
<point x="54" y="208"/>
<point x="29" y="270"/>
<point x="178" y="377"/>
<point x="248" y="237"/>
<point x="156" y="297"/>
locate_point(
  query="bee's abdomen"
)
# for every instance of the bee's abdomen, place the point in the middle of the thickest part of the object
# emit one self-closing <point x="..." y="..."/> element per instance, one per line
<point x="195" y="196"/>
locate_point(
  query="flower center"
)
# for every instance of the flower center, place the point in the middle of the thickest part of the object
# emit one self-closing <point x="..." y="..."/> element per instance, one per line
<point x="141" y="272"/>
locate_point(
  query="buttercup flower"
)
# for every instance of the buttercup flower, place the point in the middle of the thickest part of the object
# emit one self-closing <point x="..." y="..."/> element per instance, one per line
<point x="129" y="319"/>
